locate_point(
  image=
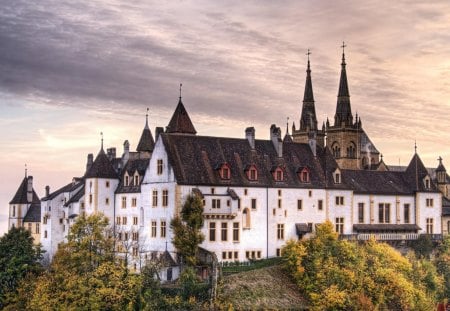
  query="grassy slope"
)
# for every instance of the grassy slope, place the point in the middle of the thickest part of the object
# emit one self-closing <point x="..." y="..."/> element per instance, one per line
<point x="267" y="288"/>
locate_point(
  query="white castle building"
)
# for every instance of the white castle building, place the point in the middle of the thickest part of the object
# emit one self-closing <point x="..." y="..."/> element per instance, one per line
<point x="257" y="194"/>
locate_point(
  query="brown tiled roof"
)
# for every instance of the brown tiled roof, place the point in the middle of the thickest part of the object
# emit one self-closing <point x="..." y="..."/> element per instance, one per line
<point x="377" y="182"/>
<point x="180" y="121"/>
<point x="21" y="194"/>
<point x="385" y="227"/>
<point x="415" y="173"/>
<point x="194" y="159"/>
<point x="67" y="188"/>
<point x="146" y="143"/>
<point x="102" y="167"/>
<point x="133" y="165"/>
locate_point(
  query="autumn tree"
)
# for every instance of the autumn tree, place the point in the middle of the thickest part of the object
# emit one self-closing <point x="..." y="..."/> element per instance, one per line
<point x="187" y="229"/>
<point x="18" y="258"/>
<point x="442" y="262"/>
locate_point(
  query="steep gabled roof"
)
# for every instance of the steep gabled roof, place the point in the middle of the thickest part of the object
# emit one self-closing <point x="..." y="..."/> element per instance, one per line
<point x="102" y="167"/>
<point x="21" y="194"/>
<point x="133" y="165"/>
<point x="67" y="188"/>
<point x="180" y="121"/>
<point x="415" y="173"/>
<point x="78" y="195"/>
<point x="308" y="117"/>
<point x="34" y="213"/>
<point x="146" y="143"/>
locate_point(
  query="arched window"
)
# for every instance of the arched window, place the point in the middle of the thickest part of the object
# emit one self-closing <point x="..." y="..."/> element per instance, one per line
<point x="136" y="179"/>
<point x="351" y="150"/>
<point x="246" y="224"/>
<point x="278" y="174"/>
<point x="336" y="150"/>
<point x="225" y="171"/>
<point x="127" y="180"/>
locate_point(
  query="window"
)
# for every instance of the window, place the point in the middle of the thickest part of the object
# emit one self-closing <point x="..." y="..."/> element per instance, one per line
<point x="235" y="232"/>
<point x="320" y="205"/>
<point x="153" y="229"/>
<point x="14" y="211"/>
<point x="406" y="213"/>
<point x="274" y="212"/>
<point x="280" y="203"/>
<point x="299" y="205"/>
<point x="224" y="232"/>
<point x="384" y="213"/>
<point x="247" y="254"/>
<point x="107" y="184"/>
<point x="337" y="178"/>
<point x="429" y="202"/>
<point x="224" y="171"/>
<point x="119" y="236"/>
<point x="246" y="218"/>
<point x="278" y="252"/>
<point x="135" y="221"/>
<point x="124" y="220"/>
<point x="30" y="227"/>
<point x="135" y="236"/>
<point x="351" y="151"/>
<point x="339" y="200"/>
<point x="303" y="174"/>
<point x="44" y="220"/>
<point x="118" y="221"/>
<point x="163" y="228"/>
<point x="107" y="201"/>
<point x="253" y="203"/>
<point x="45" y="234"/>
<point x="245" y="191"/>
<point x="280" y="231"/>
<point x="90" y="199"/>
<point x="125" y="236"/>
<point x="165" y="198"/>
<point x="38" y="229"/>
<point x="429" y="225"/>
<point x="213" y="191"/>
<point x="159" y="166"/>
<point x="155" y="198"/>
<point x="310" y="193"/>
<point x="340" y="225"/>
<point x="278" y="174"/>
<point x="136" y="180"/>
<point x="133" y="202"/>
<point x="124" y="202"/>
<point x="135" y="253"/>
<point x="252" y="173"/>
<point x="427" y="183"/>
<point x="336" y="150"/>
<point x="215" y="203"/>
<point x="230" y="255"/>
<point x="127" y="180"/>
<point x="212" y="231"/>
<point x="236" y="255"/>
<point x="228" y="202"/>
<point x="361" y="213"/>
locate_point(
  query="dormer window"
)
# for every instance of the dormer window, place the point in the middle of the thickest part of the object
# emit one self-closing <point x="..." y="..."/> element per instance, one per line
<point x="278" y="174"/>
<point x="225" y="171"/>
<point x="427" y="182"/>
<point x="136" y="179"/>
<point x="252" y="173"/>
<point x="303" y="174"/>
<point x="127" y="180"/>
<point x="337" y="176"/>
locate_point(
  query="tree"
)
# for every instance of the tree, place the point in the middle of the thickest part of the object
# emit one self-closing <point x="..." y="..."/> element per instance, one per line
<point x="85" y="274"/>
<point x="18" y="258"/>
<point x="442" y="262"/>
<point x="187" y="234"/>
<point x="423" y="246"/>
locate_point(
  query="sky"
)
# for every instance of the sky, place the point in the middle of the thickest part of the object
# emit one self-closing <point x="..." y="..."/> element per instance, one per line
<point x="72" y="69"/>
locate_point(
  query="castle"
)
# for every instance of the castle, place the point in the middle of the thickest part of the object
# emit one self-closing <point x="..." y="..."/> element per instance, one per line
<point x="257" y="194"/>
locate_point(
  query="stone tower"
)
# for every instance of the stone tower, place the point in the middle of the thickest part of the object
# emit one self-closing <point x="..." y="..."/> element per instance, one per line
<point x="308" y="121"/>
<point x="348" y="142"/>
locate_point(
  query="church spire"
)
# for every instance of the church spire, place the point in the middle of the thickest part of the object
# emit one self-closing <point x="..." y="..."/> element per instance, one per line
<point x="343" y="108"/>
<point x="146" y="142"/>
<point x="308" y="118"/>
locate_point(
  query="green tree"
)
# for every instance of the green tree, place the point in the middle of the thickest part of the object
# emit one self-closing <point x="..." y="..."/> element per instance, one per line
<point x="18" y="258"/>
<point x="442" y="262"/>
<point x="423" y="246"/>
<point x="187" y="234"/>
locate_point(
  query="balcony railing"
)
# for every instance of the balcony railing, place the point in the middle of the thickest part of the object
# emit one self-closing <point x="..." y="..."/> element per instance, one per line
<point x="387" y="236"/>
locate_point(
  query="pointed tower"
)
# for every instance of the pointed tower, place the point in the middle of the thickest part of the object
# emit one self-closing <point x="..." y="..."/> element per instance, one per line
<point x="349" y="144"/>
<point x="442" y="179"/>
<point x="101" y="181"/>
<point x="287" y="138"/>
<point x="22" y="201"/>
<point x="146" y="143"/>
<point x="308" y="120"/>
<point x="180" y="122"/>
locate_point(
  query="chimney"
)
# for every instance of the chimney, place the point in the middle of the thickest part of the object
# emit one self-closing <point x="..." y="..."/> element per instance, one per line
<point x="312" y="142"/>
<point x="30" y="189"/>
<point x="90" y="160"/>
<point x="126" y="152"/>
<point x="47" y="190"/>
<point x="250" y="135"/>
<point x="275" y="137"/>
<point x="111" y="152"/>
<point x="158" y="131"/>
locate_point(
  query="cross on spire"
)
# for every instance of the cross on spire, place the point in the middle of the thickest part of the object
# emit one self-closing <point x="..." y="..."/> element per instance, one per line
<point x="440" y="160"/>
<point x="146" y="118"/>
<point x="308" y="53"/>
<point x="343" y="46"/>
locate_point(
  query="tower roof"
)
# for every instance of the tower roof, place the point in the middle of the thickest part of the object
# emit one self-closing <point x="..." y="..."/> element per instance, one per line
<point x="441" y="167"/>
<point x="343" y="107"/>
<point x="180" y="121"/>
<point x="21" y="194"/>
<point x="146" y="143"/>
<point x="308" y="118"/>
<point x="102" y="167"/>
<point x="415" y="172"/>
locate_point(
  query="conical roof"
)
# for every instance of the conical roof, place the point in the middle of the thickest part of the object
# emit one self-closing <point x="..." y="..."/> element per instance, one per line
<point x="308" y="118"/>
<point x="21" y="194"/>
<point x="415" y="172"/>
<point x="102" y="167"/>
<point x="146" y="143"/>
<point x="343" y="107"/>
<point x="180" y="121"/>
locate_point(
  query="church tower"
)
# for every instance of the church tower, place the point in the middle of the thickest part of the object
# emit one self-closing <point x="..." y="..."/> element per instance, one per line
<point x="348" y="142"/>
<point x="308" y="121"/>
